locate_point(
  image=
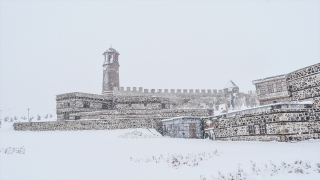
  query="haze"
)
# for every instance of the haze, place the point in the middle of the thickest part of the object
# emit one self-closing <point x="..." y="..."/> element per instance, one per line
<point x="54" y="47"/>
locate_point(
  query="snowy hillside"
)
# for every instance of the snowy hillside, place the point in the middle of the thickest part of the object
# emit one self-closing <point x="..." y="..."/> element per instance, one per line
<point x="145" y="154"/>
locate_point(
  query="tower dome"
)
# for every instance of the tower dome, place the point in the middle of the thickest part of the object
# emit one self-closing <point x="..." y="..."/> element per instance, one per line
<point x="111" y="50"/>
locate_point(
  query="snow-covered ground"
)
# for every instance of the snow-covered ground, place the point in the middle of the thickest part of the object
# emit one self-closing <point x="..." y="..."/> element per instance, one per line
<point x="144" y="154"/>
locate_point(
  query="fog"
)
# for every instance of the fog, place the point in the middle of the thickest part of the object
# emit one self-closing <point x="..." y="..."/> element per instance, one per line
<point x="54" y="47"/>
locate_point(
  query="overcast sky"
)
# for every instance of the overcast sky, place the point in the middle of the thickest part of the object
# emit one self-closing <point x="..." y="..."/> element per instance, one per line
<point x="55" y="47"/>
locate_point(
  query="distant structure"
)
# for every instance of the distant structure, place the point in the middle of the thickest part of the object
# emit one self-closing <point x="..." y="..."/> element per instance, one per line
<point x="110" y="71"/>
<point x="231" y="90"/>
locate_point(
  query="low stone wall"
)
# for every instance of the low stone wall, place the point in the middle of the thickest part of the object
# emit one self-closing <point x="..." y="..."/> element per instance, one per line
<point x="280" y="124"/>
<point x="139" y="113"/>
<point x="89" y="125"/>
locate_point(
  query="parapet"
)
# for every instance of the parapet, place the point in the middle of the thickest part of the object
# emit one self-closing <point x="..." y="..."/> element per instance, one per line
<point x="258" y="81"/>
<point x="142" y="91"/>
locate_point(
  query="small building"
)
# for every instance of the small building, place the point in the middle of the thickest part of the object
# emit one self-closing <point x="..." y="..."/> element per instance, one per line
<point x="272" y="89"/>
<point x="183" y="127"/>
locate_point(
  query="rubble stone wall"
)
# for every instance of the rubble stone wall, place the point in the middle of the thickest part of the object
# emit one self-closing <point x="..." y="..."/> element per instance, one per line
<point x="70" y="105"/>
<point x="304" y="84"/>
<point x="140" y="113"/>
<point x="272" y="89"/>
<point x="89" y="125"/>
<point x="291" y="124"/>
<point x="300" y="85"/>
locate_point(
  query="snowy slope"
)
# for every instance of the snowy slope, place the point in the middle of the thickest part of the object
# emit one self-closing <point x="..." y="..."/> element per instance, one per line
<point x="136" y="154"/>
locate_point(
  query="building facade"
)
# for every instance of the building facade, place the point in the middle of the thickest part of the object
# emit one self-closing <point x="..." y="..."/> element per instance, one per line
<point x="272" y="90"/>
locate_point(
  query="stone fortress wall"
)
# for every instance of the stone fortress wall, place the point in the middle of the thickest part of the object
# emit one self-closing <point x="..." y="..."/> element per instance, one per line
<point x="75" y="111"/>
<point x="296" y="119"/>
<point x="194" y="98"/>
<point x="279" y="124"/>
<point x="302" y="84"/>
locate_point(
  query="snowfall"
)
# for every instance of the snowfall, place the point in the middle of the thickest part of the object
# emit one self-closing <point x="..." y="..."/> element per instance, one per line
<point x="144" y="154"/>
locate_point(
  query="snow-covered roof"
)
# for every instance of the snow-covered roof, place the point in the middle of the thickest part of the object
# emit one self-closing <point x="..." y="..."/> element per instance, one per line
<point x="230" y="84"/>
<point x="247" y="111"/>
<point x="269" y="79"/>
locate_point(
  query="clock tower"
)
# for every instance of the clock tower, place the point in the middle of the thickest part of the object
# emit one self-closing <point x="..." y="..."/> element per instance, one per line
<point x="110" y="71"/>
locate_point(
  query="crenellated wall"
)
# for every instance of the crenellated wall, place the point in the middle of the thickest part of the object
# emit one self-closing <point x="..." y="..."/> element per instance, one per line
<point x="195" y="98"/>
<point x="134" y="91"/>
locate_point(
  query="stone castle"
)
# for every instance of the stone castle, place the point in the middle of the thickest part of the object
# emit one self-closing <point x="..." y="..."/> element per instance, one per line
<point x="283" y="108"/>
<point x="115" y="102"/>
<point x="138" y="107"/>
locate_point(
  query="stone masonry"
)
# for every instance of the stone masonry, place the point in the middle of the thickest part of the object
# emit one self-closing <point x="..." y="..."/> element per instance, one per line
<point x="296" y="117"/>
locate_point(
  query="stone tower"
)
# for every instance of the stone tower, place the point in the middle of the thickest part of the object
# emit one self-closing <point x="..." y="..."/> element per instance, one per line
<point x="110" y="71"/>
<point x="230" y="91"/>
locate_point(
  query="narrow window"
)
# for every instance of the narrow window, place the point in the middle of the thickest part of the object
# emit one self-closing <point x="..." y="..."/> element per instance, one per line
<point x="263" y="129"/>
<point x="86" y="104"/>
<point x="104" y="106"/>
<point x="66" y="115"/>
<point x="66" y="104"/>
<point x="77" y="117"/>
<point x="251" y="129"/>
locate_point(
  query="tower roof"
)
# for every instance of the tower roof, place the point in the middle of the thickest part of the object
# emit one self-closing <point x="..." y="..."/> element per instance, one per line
<point x="111" y="50"/>
<point x="230" y="84"/>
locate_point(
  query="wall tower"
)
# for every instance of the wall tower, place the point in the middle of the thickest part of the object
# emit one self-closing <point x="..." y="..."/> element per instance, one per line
<point x="110" y="71"/>
<point x="230" y="91"/>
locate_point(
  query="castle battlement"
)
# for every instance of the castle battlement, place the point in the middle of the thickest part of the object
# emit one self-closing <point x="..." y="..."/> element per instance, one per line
<point x="141" y="90"/>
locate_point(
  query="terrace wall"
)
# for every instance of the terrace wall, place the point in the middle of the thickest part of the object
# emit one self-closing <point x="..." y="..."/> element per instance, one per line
<point x="280" y="125"/>
<point x="89" y="125"/>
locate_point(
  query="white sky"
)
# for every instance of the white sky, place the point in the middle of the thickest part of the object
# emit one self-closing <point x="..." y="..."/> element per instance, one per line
<point x="55" y="47"/>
